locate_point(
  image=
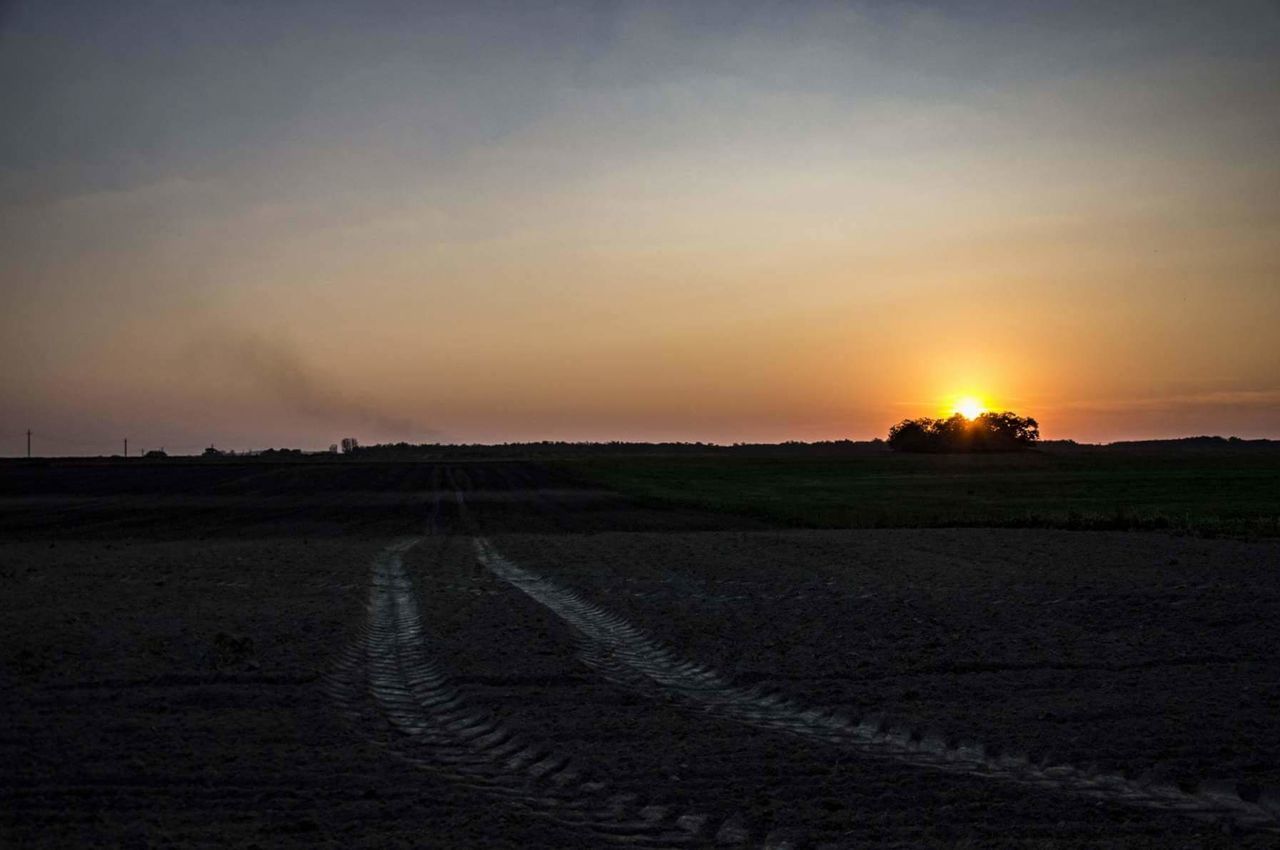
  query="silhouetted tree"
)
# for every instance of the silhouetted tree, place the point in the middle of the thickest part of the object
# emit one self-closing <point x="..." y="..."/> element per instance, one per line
<point x="349" y="445"/>
<point x="914" y="435"/>
<point x="989" y="432"/>
<point x="1009" y="427"/>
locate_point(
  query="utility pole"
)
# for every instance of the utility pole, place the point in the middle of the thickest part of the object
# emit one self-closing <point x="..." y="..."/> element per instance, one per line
<point x="126" y="446"/>
<point x="28" y="444"/>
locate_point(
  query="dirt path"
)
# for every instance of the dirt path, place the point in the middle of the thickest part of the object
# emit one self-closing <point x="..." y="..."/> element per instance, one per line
<point x="389" y="679"/>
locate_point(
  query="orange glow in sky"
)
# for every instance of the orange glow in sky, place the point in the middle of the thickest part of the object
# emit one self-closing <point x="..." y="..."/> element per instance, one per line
<point x="636" y="221"/>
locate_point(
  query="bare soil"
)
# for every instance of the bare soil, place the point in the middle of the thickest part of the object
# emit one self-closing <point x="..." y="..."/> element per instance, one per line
<point x="241" y="662"/>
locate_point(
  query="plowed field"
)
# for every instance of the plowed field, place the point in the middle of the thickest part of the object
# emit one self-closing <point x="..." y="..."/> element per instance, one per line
<point x="483" y="655"/>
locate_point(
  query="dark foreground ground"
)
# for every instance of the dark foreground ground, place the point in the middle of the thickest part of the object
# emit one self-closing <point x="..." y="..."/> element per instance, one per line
<point x="296" y="656"/>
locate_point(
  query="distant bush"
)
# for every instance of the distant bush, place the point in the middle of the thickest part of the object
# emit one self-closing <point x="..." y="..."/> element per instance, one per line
<point x="989" y="432"/>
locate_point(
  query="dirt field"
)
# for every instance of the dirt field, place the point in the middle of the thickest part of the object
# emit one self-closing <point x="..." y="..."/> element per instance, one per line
<point x="481" y="655"/>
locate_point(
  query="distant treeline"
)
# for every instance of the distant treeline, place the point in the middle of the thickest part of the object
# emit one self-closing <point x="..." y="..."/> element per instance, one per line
<point x="552" y="449"/>
<point x="562" y="449"/>
<point x="1188" y="445"/>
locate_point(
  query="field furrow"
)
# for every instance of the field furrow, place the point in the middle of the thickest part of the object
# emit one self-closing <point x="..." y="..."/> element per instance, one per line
<point x="627" y="655"/>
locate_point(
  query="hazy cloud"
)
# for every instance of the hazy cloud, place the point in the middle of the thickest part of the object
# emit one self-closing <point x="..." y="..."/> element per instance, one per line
<point x="275" y="367"/>
<point x="1224" y="399"/>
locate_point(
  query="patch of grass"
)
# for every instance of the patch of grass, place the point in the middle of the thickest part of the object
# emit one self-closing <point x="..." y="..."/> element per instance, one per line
<point x="1198" y="494"/>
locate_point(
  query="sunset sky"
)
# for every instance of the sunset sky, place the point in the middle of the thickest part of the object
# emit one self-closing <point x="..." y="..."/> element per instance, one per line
<point x="282" y="224"/>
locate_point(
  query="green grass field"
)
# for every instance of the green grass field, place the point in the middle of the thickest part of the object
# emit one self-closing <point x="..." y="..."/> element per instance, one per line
<point x="1209" y="495"/>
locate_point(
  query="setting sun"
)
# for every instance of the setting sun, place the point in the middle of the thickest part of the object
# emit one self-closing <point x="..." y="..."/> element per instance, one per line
<point x="969" y="407"/>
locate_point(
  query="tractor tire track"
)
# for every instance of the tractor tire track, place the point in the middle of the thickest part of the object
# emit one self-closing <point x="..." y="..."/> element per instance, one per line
<point x="627" y="656"/>
<point x="392" y="690"/>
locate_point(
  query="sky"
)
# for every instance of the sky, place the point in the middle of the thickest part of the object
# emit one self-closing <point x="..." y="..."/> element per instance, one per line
<point x="251" y="225"/>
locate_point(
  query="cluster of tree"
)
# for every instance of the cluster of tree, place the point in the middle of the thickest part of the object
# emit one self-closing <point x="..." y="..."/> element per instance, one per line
<point x="988" y="432"/>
